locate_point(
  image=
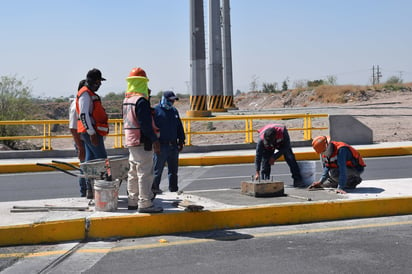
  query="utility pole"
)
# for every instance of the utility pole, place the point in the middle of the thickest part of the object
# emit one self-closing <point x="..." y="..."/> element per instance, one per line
<point x="378" y="74"/>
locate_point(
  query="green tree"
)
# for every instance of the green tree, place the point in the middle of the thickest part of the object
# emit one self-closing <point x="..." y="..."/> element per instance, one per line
<point x="111" y="96"/>
<point x="284" y="85"/>
<point x="15" y="104"/>
<point x="394" y="80"/>
<point x="315" y="83"/>
<point x="269" y="87"/>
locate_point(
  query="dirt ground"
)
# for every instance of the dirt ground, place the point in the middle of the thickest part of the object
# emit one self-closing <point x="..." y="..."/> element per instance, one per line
<point x="388" y="114"/>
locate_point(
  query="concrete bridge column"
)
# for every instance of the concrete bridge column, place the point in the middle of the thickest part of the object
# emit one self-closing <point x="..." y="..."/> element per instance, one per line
<point x="198" y="97"/>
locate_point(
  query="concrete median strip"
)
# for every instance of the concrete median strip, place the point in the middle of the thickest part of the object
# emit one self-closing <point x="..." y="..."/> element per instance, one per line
<point x="88" y="227"/>
<point x="98" y="228"/>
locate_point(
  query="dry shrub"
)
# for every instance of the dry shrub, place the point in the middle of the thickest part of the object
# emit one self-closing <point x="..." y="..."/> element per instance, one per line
<point x="337" y="94"/>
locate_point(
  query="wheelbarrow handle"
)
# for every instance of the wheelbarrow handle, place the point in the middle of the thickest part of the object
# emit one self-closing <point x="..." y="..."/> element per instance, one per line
<point x="67" y="164"/>
<point x="60" y="169"/>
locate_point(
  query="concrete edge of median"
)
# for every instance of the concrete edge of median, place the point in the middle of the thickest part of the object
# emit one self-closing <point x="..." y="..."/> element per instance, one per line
<point x="169" y="223"/>
<point x="219" y="160"/>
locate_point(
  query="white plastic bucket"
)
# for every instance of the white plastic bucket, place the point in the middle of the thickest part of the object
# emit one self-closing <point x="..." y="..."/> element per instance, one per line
<point x="307" y="171"/>
<point x="106" y="195"/>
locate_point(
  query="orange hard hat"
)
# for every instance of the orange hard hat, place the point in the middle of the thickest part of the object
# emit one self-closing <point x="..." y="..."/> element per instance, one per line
<point x="137" y="72"/>
<point x="320" y="143"/>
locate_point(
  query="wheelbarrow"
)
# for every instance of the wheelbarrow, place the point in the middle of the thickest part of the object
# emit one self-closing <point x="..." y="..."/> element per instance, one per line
<point x="105" y="176"/>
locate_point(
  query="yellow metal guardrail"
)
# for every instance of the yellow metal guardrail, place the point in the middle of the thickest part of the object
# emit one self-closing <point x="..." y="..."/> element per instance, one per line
<point x="116" y="126"/>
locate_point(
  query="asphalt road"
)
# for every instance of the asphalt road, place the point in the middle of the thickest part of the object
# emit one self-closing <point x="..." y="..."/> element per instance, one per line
<point x="372" y="245"/>
<point x="54" y="184"/>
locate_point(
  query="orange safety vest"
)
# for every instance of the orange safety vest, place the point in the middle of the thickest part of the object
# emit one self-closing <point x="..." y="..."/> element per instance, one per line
<point x="99" y="113"/>
<point x="332" y="161"/>
<point x="131" y="123"/>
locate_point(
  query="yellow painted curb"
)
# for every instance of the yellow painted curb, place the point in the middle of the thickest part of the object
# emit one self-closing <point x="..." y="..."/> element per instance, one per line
<point x="379" y="152"/>
<point x="168" y="223"/>
<point x="47" y="232"/>
<point x="216" y="160"/>
<point x="32" y="167"/>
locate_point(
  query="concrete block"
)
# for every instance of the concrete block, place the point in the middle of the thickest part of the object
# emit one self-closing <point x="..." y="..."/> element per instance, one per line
<point x="346" y="128"/>
<point x="263" y="188"/>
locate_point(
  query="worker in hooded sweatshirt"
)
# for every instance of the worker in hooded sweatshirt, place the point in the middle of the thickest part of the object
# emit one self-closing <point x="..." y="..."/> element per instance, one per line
<point x="172" y="139"/>
<point x="274" y="141"/>
<point x="142" y="141"/>
<point x="342" y="165"/>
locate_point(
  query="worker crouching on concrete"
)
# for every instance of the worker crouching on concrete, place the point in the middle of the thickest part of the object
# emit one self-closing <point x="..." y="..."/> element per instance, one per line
<point x="342" y="165"/>
<point x="275" y="137"/>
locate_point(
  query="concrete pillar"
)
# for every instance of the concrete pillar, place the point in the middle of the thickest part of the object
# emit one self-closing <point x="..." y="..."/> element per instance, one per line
<point x="228" y="102"/>
<point x="198" y="97"/>
<point x="215" y="99"/>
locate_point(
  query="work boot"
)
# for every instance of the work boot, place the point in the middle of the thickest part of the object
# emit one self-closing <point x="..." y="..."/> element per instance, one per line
<point x="151" y="209"/>
<point x="353" y="181"/>
<point x="173" y="188"/>
<point x="157" y="191"/>
<point x="298" y="184"/>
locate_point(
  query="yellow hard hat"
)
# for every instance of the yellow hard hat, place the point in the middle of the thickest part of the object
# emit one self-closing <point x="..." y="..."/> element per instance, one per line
<point x="320" y="143"/>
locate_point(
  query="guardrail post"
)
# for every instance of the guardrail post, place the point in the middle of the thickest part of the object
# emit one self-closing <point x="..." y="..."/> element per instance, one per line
<point x="246" y="131"/>
<point x="121" y="134"/>
<point x="116" y="136"/>
<point x="249" y="131"/>
<point x="307" y="124"/>
<point x="46" y="137"/>
<point x="187" y="129"/>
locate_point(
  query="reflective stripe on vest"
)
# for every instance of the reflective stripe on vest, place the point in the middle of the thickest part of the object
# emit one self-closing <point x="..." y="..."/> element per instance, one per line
<point x="131" y="124"/>
<point x="130" y="121"/>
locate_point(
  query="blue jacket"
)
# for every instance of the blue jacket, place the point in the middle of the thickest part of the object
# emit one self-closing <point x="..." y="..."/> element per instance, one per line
<point x="170" y="126"/>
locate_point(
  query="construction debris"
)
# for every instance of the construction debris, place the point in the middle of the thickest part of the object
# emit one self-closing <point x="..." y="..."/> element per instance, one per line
<point x="188" y="206"/>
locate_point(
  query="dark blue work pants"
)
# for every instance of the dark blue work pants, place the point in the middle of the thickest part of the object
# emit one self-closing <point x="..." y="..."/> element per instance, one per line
<point x="169" y="154"/>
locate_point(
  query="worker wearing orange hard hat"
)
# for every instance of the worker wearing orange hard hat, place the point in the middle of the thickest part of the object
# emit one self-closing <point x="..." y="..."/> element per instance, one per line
<point x="141" y="140"/>
<point x="342" y="164"/>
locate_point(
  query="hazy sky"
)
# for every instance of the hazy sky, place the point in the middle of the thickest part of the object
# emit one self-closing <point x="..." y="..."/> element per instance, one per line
<point x="51" y="44"/>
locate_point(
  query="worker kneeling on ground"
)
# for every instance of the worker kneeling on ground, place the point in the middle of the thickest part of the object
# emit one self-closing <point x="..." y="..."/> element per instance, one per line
<point x="342" y="165"/>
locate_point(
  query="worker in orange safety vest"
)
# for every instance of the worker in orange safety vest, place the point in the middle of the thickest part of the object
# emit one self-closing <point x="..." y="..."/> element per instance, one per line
<point x="342" y="165"/>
